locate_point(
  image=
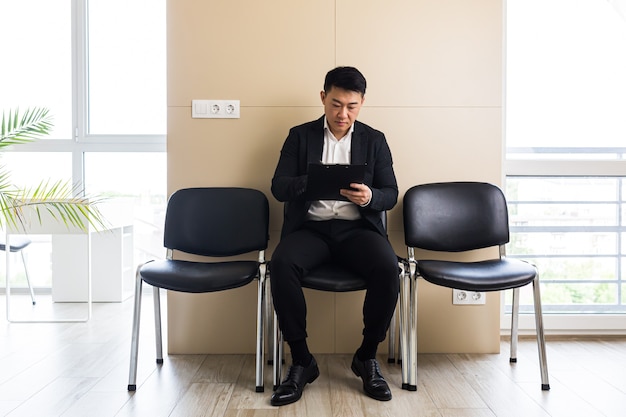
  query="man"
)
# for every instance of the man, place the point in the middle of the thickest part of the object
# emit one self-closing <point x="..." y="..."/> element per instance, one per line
<point x="348" y="232"/>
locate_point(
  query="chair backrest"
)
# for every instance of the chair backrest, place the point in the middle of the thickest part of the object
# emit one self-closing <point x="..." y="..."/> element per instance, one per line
<point x="217" y="221"/>
<point x="17" y="243"/>
<point x="455" y="216"/>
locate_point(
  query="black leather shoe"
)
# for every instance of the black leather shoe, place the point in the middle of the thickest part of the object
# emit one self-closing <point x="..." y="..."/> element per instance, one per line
<point x="290" y="390"/>
<point x="374" y="384"/>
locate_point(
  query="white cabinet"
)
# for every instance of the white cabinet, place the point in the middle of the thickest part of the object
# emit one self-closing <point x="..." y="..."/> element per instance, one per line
<point x="112" y="273"/>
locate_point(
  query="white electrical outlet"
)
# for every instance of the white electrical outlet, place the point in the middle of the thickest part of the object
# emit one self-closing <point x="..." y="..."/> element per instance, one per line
<point x="215" y="109"/>
<point x="462" y="297"/>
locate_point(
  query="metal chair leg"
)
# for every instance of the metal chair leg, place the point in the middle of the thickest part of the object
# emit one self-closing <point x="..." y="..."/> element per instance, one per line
<point x="392" y="339"/>
<point x="277" y="354"/>
<point x="514" y="325"/>
<point x="541" y="340"/>
<point x="404" y="333"/>
<point x="400" y="347"/>
<point x="269" y="320"/>
<point x="30" y="287"/>
<point x="134" y="346"/>
<point x="408" y="329"/>
<point x="260" y="342"/>
<point x="397" y="318"/>
<point x="412" y="328"/>
<point x="157" y="324"/>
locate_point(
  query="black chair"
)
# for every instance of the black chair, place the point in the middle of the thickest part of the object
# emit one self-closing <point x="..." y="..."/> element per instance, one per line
<point x="17" y="244"/>
<point x="462" y="216"/>
<point x="332" y="278"/>
<point x="214" y="222"/>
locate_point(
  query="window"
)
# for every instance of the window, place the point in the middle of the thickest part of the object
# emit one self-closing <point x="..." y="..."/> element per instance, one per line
<point x="572" y="228"/>
<point x="565" y="83"/>
<point x="99" y="66"/>
<point x="126" y="67"/>
<point x="565" y="165"/>
<point x="37" y="59"/>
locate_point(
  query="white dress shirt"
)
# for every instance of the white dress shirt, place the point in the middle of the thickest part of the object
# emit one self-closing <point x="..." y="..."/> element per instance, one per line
<point x="335" y="152"/>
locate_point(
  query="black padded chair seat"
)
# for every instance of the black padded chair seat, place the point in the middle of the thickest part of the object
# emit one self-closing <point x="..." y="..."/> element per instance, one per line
<point x="17" y="243"/>
<point x="195" y="277"/>
<point x="490" y="275"/>
<point x="332" y="277"/>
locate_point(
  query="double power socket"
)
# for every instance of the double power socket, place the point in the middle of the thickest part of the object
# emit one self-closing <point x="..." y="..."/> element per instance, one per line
<point x="462" y="297"/>
<point x="215" y="109"/>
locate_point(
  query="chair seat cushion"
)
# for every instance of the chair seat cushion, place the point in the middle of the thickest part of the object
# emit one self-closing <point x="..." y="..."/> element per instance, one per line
<point x="331" y="277"/>
<point x="197" y="277"/>
<point x="491" y="275"/>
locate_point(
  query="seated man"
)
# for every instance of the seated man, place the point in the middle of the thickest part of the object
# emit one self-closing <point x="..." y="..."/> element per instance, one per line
<point x="347" y="232"/>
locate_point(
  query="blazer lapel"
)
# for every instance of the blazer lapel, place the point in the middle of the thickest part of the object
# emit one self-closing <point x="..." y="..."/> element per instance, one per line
<point x="315" y="142"/>
<point x="357" y="153"/>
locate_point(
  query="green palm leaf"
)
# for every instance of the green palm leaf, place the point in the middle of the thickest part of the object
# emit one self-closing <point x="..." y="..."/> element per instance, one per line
<point x="33" y="124"/>
<point x="62" y="200"/>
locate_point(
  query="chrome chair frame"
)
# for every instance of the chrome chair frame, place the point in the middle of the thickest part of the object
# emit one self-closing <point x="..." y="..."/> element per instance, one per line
<point x="18" y="244"/>
<point x="261" y="301"/>
<point x="494" y="217"/>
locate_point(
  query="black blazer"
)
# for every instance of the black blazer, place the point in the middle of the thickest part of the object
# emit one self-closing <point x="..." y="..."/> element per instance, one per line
<point x="304" y="145"/>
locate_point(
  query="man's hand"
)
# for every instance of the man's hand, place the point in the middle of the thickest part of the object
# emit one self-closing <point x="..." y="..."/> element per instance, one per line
<point x="360" y="194"/>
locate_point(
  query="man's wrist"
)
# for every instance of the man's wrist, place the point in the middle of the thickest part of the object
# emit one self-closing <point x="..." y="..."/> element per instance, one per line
<point x="369" y="200"/>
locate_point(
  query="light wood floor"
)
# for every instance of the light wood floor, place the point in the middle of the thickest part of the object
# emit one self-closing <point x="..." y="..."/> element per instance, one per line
<point x="81" y="369"/>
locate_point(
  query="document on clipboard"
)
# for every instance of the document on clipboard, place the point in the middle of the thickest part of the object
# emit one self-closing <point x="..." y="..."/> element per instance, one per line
<point x="325" y="181"/>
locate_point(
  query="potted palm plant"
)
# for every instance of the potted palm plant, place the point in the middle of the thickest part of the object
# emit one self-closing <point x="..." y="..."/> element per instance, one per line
<point x="61" y="199"/>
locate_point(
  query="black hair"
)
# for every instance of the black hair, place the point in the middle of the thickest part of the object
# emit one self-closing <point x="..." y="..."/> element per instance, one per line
<point x="348" y="78"/>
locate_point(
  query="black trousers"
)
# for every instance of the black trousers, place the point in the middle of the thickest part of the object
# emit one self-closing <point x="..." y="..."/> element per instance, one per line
<point x="349" y="243"/>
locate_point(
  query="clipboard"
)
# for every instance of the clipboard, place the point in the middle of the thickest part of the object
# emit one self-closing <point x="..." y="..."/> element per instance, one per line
<point x="325" y="181"/>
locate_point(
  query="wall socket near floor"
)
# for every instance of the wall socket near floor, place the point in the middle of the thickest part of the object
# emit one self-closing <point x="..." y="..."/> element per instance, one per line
<point x="462" y="297"/>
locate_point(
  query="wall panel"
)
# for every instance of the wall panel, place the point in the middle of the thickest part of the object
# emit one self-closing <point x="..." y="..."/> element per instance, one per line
<point x="434" y="71"/>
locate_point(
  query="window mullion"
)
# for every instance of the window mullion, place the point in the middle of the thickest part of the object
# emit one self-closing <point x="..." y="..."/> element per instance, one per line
<point x="79" y="86"/>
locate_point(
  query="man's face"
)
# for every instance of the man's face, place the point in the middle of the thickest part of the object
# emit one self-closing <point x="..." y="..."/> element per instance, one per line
<point x="341" y="108"/>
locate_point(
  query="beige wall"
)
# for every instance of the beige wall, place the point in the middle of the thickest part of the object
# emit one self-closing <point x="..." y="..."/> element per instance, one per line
<point x="434" y="71"/>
